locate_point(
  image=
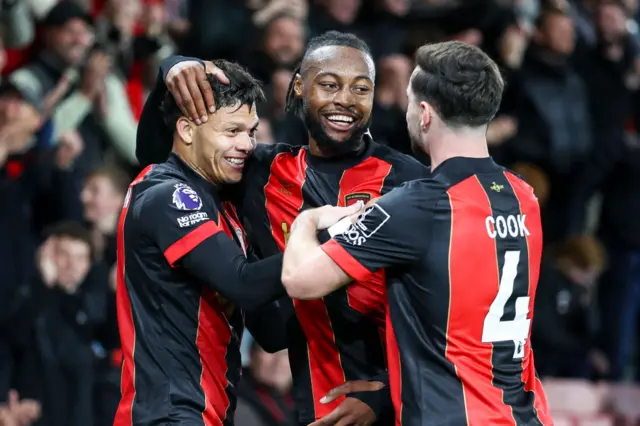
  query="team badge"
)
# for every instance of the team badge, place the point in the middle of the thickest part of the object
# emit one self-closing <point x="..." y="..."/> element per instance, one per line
<point x="355" y="197"/>
<point x="185" y="198"/>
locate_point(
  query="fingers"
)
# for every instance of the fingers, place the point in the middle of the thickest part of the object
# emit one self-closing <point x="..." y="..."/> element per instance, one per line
<point x="185" y="101"/>
<point x="217" y="72"/>
<point x="14" y="399"/>
<point x="335" y="393"/>
<point x="331" y="418"/>
<point x="207" y="93"/>
<point x="193" y="86"/>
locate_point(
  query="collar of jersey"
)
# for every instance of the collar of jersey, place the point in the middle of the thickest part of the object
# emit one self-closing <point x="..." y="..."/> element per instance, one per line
<point x="193" y="177"/>
<point x="341" y="163"/>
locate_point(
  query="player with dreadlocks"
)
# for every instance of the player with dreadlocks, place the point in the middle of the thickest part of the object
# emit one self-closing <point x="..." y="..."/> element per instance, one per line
<point x="338" y="338"/>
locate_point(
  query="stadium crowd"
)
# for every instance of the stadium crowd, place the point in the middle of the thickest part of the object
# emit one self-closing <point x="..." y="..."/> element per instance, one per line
<point x="74" y="79"/>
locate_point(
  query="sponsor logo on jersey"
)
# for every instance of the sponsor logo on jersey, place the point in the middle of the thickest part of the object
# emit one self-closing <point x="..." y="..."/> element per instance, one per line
<point x="192" y="219"/>
<point x="355" y="197"/>
<point x="185" y="198"/>
<point x="366" y="225"/>
<point x="495" y="187"/>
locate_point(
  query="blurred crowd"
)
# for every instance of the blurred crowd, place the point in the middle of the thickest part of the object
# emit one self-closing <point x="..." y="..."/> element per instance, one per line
<point x="75" y="75"/>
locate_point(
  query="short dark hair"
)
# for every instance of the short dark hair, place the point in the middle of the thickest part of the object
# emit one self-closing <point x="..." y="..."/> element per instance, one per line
<point x="118" y="177"/>
<point x="74" y="231"/>
<point x="460" y="81"/>
<point x="549" y="11"/>
<point x="330" y="38"/>
<point x="243" y="89"/>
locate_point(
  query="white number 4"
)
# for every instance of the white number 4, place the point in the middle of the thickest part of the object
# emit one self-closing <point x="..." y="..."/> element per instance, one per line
<point x="517" y="329"/>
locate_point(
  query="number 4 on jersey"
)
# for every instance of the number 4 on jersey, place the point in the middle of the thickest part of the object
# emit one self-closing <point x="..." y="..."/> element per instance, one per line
<point x="516" y="330"/>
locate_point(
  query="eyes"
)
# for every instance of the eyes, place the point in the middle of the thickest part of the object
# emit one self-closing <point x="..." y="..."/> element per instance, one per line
<point x="359" y="89"/>
<point x="235" y="131"/>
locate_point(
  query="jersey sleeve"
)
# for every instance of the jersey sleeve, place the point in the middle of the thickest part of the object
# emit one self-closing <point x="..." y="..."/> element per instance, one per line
<point x="191" y="237"/>
<point x="173" y="216"/>
<point x="392" y="232"/>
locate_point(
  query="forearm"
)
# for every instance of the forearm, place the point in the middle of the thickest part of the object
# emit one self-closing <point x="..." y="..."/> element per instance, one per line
<point x="268" y="325"/>
<point x="69" y="114"/>
<point x="249" y="285"/>
<point x="119" y="124"/>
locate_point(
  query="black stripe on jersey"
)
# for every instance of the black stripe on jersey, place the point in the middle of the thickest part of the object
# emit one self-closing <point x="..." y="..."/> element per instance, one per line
<point x="507" y="370"/>
<point x="440" y="395"/>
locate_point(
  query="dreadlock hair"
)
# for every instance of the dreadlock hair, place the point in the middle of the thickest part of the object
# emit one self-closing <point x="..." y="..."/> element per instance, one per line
<point x="243" y="89"/>
<point x="330" y="38"/>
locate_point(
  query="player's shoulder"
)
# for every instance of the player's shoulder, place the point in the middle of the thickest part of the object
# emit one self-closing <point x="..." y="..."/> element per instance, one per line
<point x="404" y="167"/>
<point x="267" y="152"/>
<point x="166" y="187"/>
<point x="520" y="186"/>
<point x="418" y="193"/>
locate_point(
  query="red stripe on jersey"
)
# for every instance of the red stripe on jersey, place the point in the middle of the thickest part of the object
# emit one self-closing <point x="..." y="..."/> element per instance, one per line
<point x="530" y="208"/>
<point x="365" y="182"/>
<point x="124" y="414"/>
<point x="213" y="338"/>
<point x="394" y="367"/>
<point x="184" y="245"/>
<point x="467" y="308"/>
<point x="283" y="195"/>
<point x="344" y="260"/>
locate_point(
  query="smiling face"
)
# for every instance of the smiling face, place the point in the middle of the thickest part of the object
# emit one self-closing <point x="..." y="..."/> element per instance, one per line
<point x="218" y="148"/>
<point x="336" y="87"/>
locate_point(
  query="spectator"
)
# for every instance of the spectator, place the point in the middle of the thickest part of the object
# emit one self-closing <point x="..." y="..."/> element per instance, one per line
<point x="552" y="114"/>
<point x="99" y="104"/>
<point x="67" y="304"/>
<point x="564" y="333"/>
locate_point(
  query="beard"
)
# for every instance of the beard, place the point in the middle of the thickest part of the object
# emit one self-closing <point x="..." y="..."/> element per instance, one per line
<point x="326" y="143"/>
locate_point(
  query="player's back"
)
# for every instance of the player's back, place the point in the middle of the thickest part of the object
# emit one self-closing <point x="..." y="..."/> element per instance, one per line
<point x="339" y="337"/>
<point x="462" y="314"/>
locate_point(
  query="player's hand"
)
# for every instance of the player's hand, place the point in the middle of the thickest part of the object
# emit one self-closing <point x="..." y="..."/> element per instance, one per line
<point x="326" y="216"/>
<point x="187" y="82"/>
<point x="351" y="387"/>
<point x="351" y="412"/>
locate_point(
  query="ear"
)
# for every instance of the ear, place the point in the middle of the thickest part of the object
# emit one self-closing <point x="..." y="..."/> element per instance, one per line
<point x="184" y="128"/>
<point x="297" y="85"/>
<point x="426" y="112"/>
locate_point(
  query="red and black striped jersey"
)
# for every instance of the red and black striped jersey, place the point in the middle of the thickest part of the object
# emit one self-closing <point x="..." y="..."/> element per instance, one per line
<point x="340" y="337"/>
<point x="181" y="267"/>
<point x="462" y="252"/>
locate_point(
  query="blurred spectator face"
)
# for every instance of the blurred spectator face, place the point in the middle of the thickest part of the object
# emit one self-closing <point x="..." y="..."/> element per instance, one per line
<point x="271" y="369"/>
<point x="284" y="40"/>
<point x="582" y="259"/>
<point x="471" y="36"/>
<point x="223" y="143"/>
<point x="70" y="41"/>
<point x="264" y="134"/>
<point x="337" y="93"/>
<point x="557" y="34"/>
<point x="19" y="120"/>
<point x="73" y="260"/>
<point x="343" y="11"/>
<point x="611" y="23"/>
<point x="395" y="7"/>
<point x="101" y="200"/>
<point x="280" y="84"/>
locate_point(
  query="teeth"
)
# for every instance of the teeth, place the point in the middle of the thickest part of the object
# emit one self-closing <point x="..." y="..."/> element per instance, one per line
<point x="235" y="160"/>
<point x="342" y="118"/>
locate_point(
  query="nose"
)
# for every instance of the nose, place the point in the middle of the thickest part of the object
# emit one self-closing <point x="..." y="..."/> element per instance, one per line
<point x="344" y="97"/>
<point x="246" y="144"/>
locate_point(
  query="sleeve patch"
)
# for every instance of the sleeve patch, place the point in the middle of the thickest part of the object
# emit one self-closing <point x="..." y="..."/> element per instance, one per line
<point x="185" y="198"/>
<point x="192" y="219"/>
<point x="366" y="226"/>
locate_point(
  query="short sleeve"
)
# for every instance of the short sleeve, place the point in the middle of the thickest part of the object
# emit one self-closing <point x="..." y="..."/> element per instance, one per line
<point x="174" y="217"/>
<point x="392" y="232"/>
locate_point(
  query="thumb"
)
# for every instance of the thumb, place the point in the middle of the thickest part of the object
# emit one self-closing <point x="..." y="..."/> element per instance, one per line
<point x="354" y="208"/>
<point x="14" y="399"/>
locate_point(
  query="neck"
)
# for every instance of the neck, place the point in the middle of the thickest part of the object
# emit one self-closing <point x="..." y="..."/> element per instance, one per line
<point x="315" y="150"/>
<point x="466" y="142"/>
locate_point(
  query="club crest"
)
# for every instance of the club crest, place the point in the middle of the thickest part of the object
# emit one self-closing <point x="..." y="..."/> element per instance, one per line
<point x="355" y="197"/>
